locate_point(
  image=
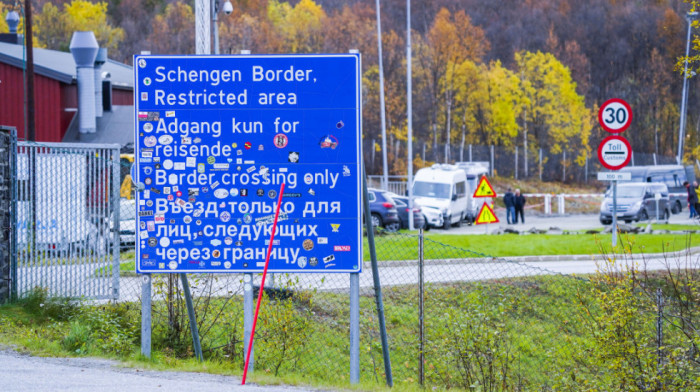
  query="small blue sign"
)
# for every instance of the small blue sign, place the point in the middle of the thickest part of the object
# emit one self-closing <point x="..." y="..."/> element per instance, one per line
<point x="217" y="136"/>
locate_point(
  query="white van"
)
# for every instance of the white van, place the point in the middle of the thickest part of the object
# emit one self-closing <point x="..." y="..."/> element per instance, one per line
<point x="474" y="171"/>
<point x="442" y="187"/>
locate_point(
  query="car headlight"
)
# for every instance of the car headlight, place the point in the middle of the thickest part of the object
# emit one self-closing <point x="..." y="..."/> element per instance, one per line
<point x="604" y="206"/>
<point x="636" y="206"/>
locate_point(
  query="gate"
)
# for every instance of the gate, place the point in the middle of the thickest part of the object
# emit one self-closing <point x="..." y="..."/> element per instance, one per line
<point x="67" y="219"/>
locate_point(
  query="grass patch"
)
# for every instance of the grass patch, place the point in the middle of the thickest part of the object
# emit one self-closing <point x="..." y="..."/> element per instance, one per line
<point x="507" y="334"/>
<point x="405" y="247"/>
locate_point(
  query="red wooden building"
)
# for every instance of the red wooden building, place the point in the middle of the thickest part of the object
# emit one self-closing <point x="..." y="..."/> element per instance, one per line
<point x="56" y="93"/>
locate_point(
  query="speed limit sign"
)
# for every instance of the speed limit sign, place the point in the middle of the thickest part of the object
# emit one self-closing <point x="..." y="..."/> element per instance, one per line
<point x="615" y="115"/>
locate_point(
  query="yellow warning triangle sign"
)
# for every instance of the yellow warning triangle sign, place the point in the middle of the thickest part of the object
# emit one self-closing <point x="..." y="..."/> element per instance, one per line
<point x="486" y="215"/>
<point x="484" y="189"/>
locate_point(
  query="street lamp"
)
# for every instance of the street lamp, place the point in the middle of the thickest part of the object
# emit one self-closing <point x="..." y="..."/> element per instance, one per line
<point x="690" y="17"/>
<point x="228" y="9"/>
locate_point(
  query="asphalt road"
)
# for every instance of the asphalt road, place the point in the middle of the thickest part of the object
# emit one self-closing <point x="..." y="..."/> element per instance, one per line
<point x="23" y="373"/>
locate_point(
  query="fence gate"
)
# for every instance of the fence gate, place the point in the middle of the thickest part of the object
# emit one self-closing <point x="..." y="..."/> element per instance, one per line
<point x="68" y="219"/>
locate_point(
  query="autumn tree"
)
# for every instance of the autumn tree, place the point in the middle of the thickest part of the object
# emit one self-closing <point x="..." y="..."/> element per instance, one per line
<point x="54" y="27"/>
<point x="449" y="42"/>
<point x="173" y="31"/>
<point x="553" y="114"/>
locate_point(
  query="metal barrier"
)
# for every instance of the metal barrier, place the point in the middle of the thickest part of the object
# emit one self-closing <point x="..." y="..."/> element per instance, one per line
<point x="67" y="219"/>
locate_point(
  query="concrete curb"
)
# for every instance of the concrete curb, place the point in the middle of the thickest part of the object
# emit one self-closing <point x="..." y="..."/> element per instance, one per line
<point x="529" y="259"/>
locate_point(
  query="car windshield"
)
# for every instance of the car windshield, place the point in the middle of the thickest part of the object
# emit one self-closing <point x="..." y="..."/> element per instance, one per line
<point x="629" y="191"/>
<point x="431" y="189"/>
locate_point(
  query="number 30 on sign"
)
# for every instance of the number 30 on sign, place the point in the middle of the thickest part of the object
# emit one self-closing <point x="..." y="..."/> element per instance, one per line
<point x="615" y="115"/>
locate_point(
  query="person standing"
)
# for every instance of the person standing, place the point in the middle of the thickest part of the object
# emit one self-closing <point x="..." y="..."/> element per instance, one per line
<point x="519" y="203"/>
<point x="509" y="201"/>
<point x="692" y="199"/>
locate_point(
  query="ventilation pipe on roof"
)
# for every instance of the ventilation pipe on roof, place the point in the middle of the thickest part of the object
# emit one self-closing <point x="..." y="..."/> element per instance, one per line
<point x="12" y="20"/>
<point x="84" y="48"/>
<point x="99" y="60"/>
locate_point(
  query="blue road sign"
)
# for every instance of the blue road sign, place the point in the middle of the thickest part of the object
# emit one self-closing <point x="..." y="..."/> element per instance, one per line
<point x="218" y="135"/>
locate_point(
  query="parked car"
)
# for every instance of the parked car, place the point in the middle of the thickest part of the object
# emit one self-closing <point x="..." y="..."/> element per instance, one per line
<point x="637" y="201"/>
<point x="402" y="207"/>
<point x="127" y="222"/>
<point x="383" y="209"/>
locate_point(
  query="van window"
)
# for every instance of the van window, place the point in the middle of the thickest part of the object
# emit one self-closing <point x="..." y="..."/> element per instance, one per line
<point x="371" y="196"/>
<point x="432" y="189"/>
<point x="461" y="189"/>
<point x="630" y="191"/>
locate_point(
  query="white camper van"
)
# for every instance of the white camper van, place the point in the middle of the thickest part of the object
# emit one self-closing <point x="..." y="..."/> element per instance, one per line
<point x="442" y="187"/>
<point x="474" y="171"/>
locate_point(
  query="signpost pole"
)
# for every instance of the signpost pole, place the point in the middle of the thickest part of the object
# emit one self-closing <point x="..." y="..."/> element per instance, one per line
<point x="146" y="315"/>
<point x="248" y="301"/>
<point x="614" y="214"/>
<point x="354" y="328"/>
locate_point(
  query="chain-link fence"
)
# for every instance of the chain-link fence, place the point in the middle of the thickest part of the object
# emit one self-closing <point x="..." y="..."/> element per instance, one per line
<point x="488" y="323"/>
<point x="66" y="203"/>
<point x="516" y="162"/>
<point x="455" y="318"/>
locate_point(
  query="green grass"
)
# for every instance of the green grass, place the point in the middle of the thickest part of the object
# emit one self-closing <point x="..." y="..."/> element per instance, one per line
<point x="671" y="227"/>
<point x="535" y="325"/>
<point x="405" y="246"/>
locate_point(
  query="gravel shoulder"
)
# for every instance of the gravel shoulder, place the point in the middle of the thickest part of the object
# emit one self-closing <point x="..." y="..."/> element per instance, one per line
<point x="22" y="372"/>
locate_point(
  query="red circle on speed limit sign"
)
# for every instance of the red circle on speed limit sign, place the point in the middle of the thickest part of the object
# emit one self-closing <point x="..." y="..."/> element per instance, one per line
<point x="614" y="152"/>
<point x="615" y="115"/>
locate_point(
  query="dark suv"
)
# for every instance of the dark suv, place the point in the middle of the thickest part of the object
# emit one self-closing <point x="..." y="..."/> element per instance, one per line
<point x="383" y="209"/>
<point x="637" y="201"/>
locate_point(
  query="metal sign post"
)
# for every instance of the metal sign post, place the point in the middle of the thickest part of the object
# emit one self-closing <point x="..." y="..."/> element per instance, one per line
<point x="614" y="152"/>
<point x="614" y="213"/>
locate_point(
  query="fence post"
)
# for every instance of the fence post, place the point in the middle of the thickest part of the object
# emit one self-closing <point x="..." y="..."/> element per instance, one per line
<point x="540" y="164"/>
<point x="563" y="167"/>
<point x="560" y="204"/>
<point x="377" y="284"/>
<point x="470" y="152"/>
<point x="354" y="328"/>
<point x="654" y="155"/>
<point x="421" y="304"/>
<point x="193" y="318"/>
<point x="659" y="329"/>
<point x="547" y="204"/>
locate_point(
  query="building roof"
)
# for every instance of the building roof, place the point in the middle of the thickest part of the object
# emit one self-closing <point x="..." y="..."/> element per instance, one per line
<point x="116" y="126"/>
<point x="61" y="66"/>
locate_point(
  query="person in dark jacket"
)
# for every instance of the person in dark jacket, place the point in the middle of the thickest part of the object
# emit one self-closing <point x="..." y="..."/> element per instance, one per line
<point x="692" y="199"/>
<point x="519" y="201"/>
<point x="509" y="201"/>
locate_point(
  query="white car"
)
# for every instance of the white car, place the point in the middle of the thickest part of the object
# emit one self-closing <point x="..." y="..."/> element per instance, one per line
<point x="127" y="222"/>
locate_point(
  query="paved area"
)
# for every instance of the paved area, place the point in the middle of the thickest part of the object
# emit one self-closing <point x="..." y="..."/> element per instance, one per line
<point x="577" y="222"/>
<point x="23" y="373"/>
